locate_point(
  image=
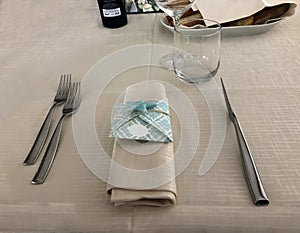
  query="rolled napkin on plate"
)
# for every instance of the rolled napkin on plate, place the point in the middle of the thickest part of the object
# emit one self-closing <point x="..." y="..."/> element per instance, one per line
<point x="238" y="13"/>
<point x="142" y="170"/>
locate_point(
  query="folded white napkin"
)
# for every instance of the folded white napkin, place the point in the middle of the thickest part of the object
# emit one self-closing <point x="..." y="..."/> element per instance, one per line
<point x="125" y="184"/>
<point x="229" y="10"/>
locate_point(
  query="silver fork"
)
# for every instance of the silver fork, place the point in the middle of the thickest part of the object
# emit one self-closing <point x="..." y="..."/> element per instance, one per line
<point x="70" y="107"/>
<point x="60" y="97"/>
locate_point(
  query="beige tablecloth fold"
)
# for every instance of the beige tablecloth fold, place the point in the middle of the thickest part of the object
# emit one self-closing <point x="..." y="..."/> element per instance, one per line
<point x="229" y="10"/>
<point x="142" y="173"/>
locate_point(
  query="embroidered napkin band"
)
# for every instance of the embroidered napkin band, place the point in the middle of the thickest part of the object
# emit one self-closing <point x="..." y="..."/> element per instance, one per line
<point x="142" y="120"/>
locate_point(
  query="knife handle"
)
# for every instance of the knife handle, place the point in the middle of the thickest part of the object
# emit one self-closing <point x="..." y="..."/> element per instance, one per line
<point x="254" y="182"/>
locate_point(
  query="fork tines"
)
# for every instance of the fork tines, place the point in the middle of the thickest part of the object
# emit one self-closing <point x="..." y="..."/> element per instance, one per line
<point x="64" y="84"/>
<point x="73" y="99"/>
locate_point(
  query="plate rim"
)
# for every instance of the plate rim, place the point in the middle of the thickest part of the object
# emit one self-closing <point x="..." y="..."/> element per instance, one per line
<point x="249" y="28"/>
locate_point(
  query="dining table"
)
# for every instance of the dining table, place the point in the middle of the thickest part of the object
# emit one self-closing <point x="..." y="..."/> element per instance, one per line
<point x="41" y="40"/>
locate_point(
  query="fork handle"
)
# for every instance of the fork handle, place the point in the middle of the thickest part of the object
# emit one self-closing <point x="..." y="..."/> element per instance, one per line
<point x="49" y="156"/>
<point x="40" y="139"/>
<point x="254" y="182"/>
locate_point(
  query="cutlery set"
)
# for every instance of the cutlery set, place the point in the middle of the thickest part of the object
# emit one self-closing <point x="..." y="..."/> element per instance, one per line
<point x="68" y="93"/>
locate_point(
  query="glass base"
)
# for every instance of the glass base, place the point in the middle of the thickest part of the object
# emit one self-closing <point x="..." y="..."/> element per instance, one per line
<point x="167" y="61"/>
<point x="199" y="74"/>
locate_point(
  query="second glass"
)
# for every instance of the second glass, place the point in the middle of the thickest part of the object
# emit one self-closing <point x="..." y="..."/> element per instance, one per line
<point x="198" y="58"/>
<point x="175" y="9"/>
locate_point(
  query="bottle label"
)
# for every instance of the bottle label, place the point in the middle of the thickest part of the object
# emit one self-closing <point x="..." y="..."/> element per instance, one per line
<point x="111" y="12"/>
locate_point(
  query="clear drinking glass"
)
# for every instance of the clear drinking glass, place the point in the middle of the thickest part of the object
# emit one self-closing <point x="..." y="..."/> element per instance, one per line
<point x="198" y="57"/>
<point x="175" y="9"/>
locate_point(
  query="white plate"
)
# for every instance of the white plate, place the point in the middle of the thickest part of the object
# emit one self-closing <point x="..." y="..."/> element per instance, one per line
<point x="236" y="30"/>
<point x="104" y="72"/>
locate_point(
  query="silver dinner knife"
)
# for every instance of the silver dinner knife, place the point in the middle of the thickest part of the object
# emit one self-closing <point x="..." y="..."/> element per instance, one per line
<point x="252" y="176"/>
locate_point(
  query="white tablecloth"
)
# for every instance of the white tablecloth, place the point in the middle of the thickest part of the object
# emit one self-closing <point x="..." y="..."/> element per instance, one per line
<point x="42" y="39"/>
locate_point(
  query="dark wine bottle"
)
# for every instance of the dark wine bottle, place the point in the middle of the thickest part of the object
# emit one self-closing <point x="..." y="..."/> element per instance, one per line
<point x="112" y="13"/>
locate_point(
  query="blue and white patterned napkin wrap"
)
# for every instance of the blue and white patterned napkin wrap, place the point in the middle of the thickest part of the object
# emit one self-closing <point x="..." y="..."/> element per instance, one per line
<point x="142" y="120"/>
